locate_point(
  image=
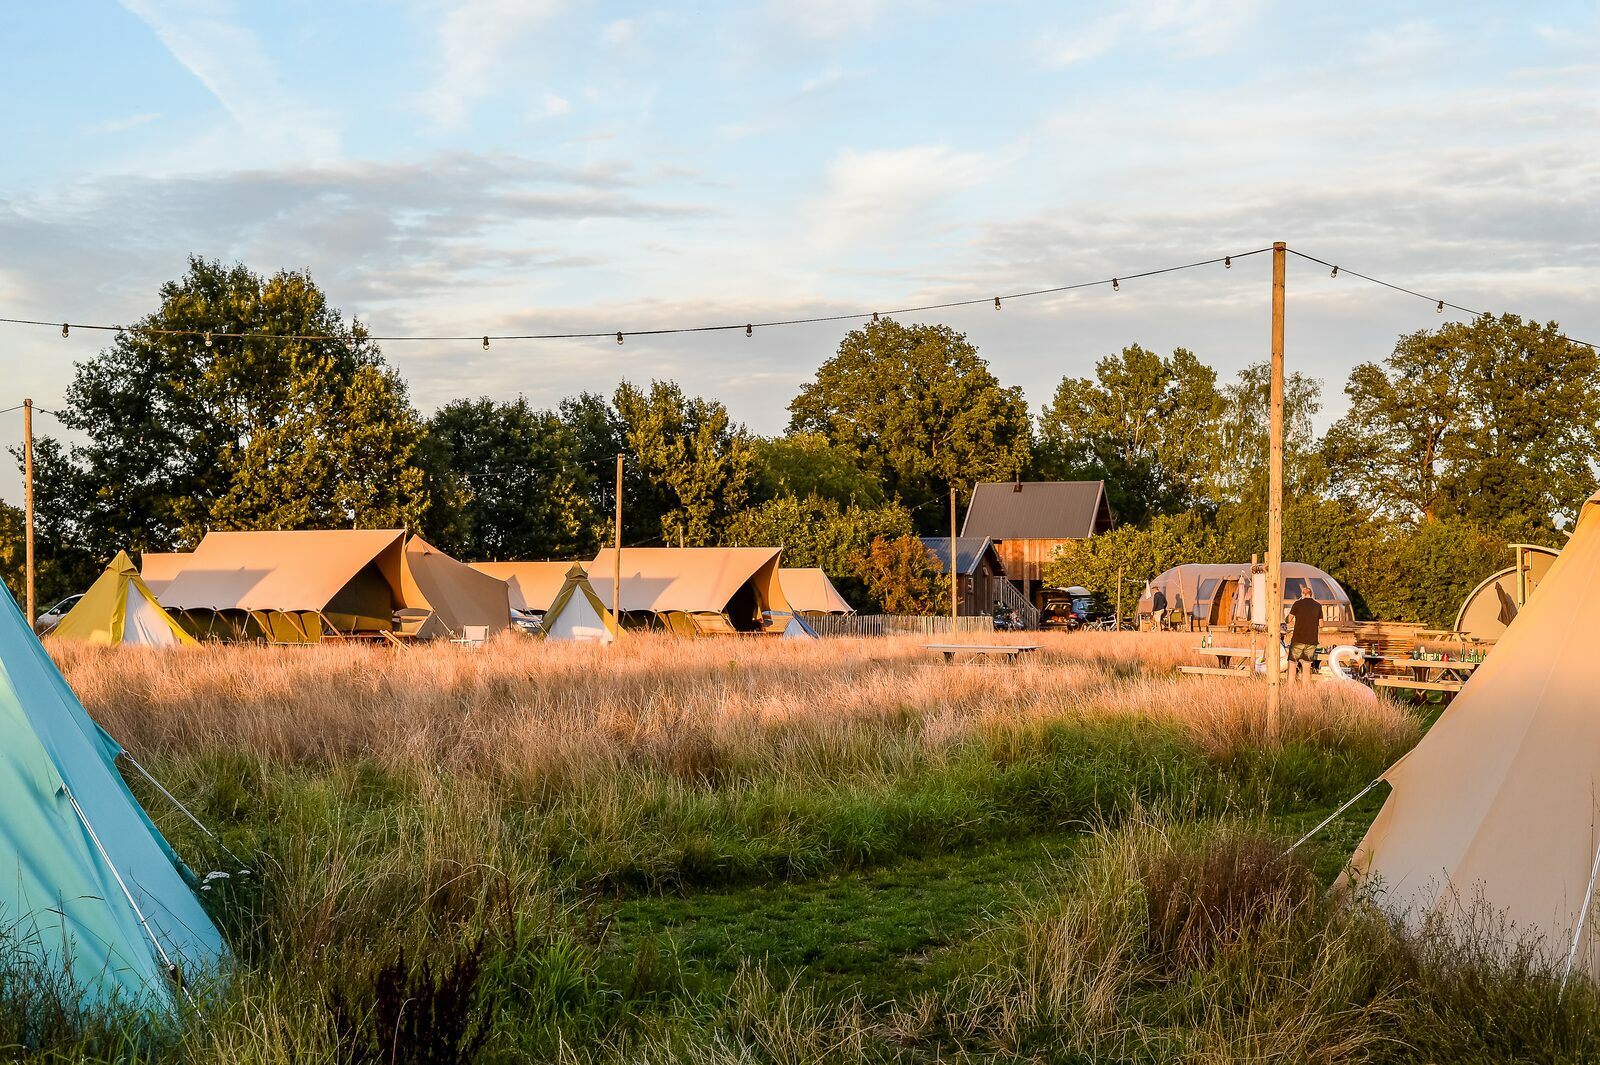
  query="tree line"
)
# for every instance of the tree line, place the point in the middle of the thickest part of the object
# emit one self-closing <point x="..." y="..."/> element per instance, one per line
<point x="1462" y="439"/>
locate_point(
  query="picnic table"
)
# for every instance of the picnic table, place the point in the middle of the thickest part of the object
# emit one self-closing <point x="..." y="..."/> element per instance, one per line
<point x="1011" y="650"/>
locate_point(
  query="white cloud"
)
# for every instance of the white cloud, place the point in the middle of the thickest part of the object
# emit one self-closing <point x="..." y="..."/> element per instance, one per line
<point x="478" y="41"/>
<point x="549" y="105"/>
<point x="873" y="193"/>
<point x="826" y="19"/>
<point x="121" y="125"/>
<point x="226" y="58"/>
<point x="1189" y="27"/>
<point x="619" y="32"/>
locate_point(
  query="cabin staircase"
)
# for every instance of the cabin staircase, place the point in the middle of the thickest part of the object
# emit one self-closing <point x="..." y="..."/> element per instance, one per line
<point x="1009" y="598"/>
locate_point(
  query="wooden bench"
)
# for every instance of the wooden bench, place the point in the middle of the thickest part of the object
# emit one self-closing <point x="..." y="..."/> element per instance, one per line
<point x="1011" y="651"/>
<point x="1408" y="684"/>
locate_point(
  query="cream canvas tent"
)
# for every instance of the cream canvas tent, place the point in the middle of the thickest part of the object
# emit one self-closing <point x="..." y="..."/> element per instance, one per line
<point x="809" y="591"/>
<point x="1500" y="802"/>
<point x="739" y="585"/>
<point x="451" y="596"/>
<point x="577" y="613"/>
<point x="288" y="586"/>
<point x="533" y="585"/>
<point x="159" y="568"/>
<point x="119" y="609"/>
<point x="1492" y="605"/>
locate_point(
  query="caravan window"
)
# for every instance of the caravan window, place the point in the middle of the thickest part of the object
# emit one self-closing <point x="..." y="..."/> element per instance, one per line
<point x="1292" y="586"/>
<point x="1320" y="590"/>
<point x="1207" y="590"/>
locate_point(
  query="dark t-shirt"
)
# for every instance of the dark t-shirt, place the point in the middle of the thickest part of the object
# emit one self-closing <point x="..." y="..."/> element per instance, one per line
<point x="1307" y="616"/>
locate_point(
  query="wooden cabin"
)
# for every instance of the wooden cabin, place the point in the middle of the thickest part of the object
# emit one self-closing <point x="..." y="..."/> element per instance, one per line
<point x="1029" y="520"/>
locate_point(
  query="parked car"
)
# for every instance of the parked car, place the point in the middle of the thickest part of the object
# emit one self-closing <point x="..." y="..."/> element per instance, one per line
<point x="1072" y="609"/>
<point x="52" y="617"/>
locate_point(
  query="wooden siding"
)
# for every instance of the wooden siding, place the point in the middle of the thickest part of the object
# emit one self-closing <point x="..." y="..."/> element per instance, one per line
<point x="1025" y="559"/>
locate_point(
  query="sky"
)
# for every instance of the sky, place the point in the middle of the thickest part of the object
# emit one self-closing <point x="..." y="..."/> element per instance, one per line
<point x="507" y="166"/>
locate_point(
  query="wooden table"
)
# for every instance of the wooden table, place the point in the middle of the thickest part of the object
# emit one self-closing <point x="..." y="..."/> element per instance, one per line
<point x="1011" y="651"/>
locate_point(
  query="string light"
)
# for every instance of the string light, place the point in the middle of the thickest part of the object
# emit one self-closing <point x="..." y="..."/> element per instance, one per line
<point x="874" y="316"/>
<point x="64" y="329"/>
<point x="1115" y="287"/>
<point x="1227" y="262"/>
<point x="1439" y="309"/>
<point x="619" y="337"/>
<point x="208" y="338"/>
<point x="1334" y="272"/>
<point x="749" y="330"/>
<point x="997" y="303"/>
<point x="485" y="343"/>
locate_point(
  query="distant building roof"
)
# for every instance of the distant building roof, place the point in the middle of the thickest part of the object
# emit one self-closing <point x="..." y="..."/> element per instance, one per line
<point x="1038" y="510"/>
<point x="969" y="552"/>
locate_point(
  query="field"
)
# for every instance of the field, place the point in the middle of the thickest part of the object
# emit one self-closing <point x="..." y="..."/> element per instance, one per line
<point x="749" y="851"/>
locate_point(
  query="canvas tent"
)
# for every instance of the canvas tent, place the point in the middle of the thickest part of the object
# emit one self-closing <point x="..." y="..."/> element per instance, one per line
<point x="577" y="613"/>
<point x="1233" y="594"/>
<point x="158" y="568"/>
<point x="1499" y="804"/>
<point x="451" y="596"/>
<point x="1493" y="604"/>
<point x="712" y="588"/>
<point x="809" y="591"/>
<point x="119" y="609"/>
<point x="533" y="586"/>
<point x="90" y="890"/>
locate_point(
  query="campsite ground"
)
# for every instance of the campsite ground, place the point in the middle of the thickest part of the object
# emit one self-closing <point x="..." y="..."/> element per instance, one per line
<point x="757" y="850"/>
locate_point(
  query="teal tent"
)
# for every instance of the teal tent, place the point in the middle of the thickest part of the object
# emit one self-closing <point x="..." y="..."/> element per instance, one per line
<point x="89" y="890"/>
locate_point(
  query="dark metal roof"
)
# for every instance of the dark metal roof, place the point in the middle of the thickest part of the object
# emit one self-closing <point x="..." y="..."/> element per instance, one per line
<point x="969" y="552"/>
<point x="1038" y="510"/>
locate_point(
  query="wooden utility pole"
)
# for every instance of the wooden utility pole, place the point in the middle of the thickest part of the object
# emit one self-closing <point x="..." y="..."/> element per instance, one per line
<point x="1117" y="624"/>
<point x="954" y="601"/>
<point x="27" y="504"/>
<point x="616" y="563"/>
<point x="1274" y="596"/>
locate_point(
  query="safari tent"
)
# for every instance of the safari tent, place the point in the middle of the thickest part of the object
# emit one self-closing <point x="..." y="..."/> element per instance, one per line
<point x="158" y="568"/>
<point x="809" y="591"/>
<point x="533" y="586"/>
<point x="1235" y="595"/>
<point x="1493" y="604"/>
<point x="119" y="609"/>
<point x="449" y="597"/>
<point x="1496" y="806"/>
<point x="577" y="613"/>
<point x="695" y="589"/>
<point x="92" y="893"/>
<point x="301" y="586"/>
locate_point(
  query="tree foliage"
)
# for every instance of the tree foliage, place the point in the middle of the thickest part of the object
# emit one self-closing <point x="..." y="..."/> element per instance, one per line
<point x="817" y="531"/>
<point x="694" y="463"/>
<point x="917" y="407"/>
<point x="900" y="574"/>
<point x="806" y="464"/>
<point x="1140" y="424"/>
<point x="1495" y="420"/>
<point x="182" y="434"/>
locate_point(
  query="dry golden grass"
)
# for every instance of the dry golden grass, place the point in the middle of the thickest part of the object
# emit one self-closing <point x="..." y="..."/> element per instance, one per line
<point x="563" y="713"/>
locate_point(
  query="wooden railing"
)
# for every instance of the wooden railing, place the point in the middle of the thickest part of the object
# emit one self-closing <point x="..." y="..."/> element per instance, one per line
<point x="898" y="625"/>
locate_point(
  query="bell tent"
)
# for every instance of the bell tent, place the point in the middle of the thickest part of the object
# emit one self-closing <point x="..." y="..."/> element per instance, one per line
<point x="120" y="609"/>
<point x="577" y="612"/>
<point x="1499" y="805"/>
<point x="809" y="591"/>
<point x="90" y="891"/>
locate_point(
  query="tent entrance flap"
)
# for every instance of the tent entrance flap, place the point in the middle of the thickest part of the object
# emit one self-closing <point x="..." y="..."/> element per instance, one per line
<point x="365" y="602"/>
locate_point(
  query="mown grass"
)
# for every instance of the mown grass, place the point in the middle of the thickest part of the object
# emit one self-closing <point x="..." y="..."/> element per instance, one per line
<point x="746" y="851"/>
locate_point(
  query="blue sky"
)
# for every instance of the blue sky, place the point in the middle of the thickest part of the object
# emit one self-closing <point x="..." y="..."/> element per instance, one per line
<point x="494" y="166"/>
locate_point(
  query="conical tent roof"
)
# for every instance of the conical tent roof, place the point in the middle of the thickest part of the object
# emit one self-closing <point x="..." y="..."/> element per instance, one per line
<point x="1499" y="805"/>
<point x="577" y="612"/>
<point x="88" y="887"/>
<point x="120" y="609"/>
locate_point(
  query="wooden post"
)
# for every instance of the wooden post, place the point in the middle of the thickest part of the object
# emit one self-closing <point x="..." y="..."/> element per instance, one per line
<point x="954" y="600"/>
<point x="616" y="563"/>
<point x="1275" y="499"/>
<point x="1117" y="624"/>
<point x="27" y="505"/>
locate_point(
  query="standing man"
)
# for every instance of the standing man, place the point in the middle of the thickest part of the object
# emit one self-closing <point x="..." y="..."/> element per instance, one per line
<point x="1305" y="619"/>
<point x="1158" y="610"/>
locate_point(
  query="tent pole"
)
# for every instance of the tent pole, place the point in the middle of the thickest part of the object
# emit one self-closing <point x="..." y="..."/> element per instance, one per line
<point x="1583" y="916"/>
<point x="1330" y="818"/>
<point x="173" y="799"/>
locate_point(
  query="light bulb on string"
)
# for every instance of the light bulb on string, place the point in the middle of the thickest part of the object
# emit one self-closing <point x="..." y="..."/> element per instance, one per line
<point x="1227" y="262"/>
<point x="874" y="316"/>
<point x="64" y="329"/>
<point x="1439" y="309"/>
<point x="749" y="330"/>
<point x="1115" y="286"/>
<point x="619" y="336"/>
<point x="485" y="343"/>
<point x="1334" y="272"/>
<point x="208" y="338"/>
<point x="997" y="303"/>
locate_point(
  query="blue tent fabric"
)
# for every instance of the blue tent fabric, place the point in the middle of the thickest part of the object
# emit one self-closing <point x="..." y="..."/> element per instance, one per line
<point x="65" y="886"/>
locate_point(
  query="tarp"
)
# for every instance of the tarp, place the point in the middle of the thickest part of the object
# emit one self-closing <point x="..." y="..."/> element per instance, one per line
<point x="73" y="888"/>
<point x="158" y="568"/>
<point x="533" y="585"/>
<point x="577" y="612"/>
<point x="809" y="591"/>
<point x="348" y="571"/>
<point x="741" y="582"/>
<point x="1500" y="801"/>
<point x="458" y="595"/>
<point x="119" y="609"/>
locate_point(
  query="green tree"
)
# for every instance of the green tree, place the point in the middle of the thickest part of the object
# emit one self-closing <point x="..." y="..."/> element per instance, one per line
<point x="506" y="482"/>
<point x="900" y="574"/>
<point x="807" y="464"/>
<point x="1497" y="420"/>
<point x="917" y="407"/>
<point x="184" y="433"/>
<point x="816" y="531"/>
<point x="1138" y="554"/>
<point x="1236" y="448"/>
<point x="1140" y="424"/>
<point x="1423" y="573"/>
<point x="13" y="562"/>
<point x="695" y="463"/>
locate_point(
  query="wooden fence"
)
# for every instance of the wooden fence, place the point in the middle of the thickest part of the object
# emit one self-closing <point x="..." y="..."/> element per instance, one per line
<point x="897" y="625"/>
